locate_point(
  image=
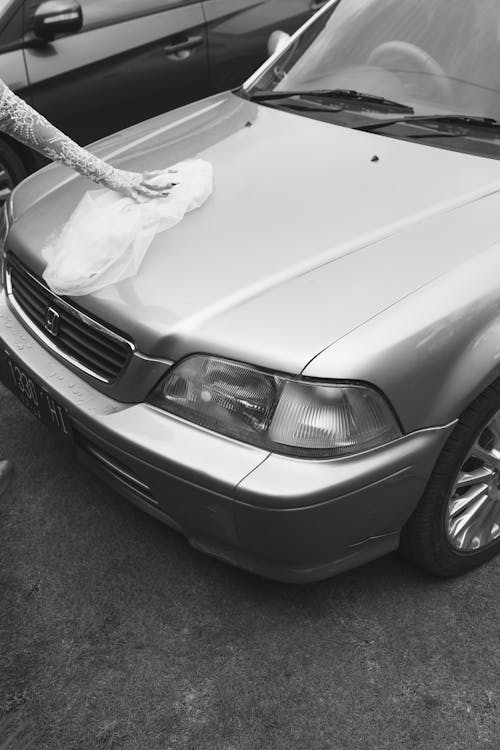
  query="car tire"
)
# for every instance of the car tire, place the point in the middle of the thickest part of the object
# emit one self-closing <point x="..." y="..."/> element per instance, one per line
<point x="12" y="170"/>
<point x="436" y="536"/>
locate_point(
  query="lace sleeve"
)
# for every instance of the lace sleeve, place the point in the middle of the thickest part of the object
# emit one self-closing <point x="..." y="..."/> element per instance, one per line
<point x="28" y="126"/>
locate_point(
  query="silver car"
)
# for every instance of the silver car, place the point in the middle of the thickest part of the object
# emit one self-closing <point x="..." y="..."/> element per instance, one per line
<point x="96" y="66"/>
<point x="304" y="374"/>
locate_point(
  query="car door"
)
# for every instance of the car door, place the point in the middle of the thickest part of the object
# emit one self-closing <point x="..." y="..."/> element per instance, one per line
<point x="130" y="61"/>
<point x="13" y="73"/>
<point x="238" y="32"/>
<point x="12" y="68"/>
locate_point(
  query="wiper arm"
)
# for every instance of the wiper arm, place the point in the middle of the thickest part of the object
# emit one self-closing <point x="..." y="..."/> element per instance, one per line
<point x="305" y="106"/>
<point x="296" y="102"/>
<point x="340" y="94"/>
<point x="464" y="120"/>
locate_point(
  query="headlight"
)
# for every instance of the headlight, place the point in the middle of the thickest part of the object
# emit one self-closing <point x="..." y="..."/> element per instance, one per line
<point x="281" y="414"/>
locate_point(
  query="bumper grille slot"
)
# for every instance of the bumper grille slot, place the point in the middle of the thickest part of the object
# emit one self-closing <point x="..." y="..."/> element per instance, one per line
<point x="82" y="341"/>
<point x="108" y="466"/>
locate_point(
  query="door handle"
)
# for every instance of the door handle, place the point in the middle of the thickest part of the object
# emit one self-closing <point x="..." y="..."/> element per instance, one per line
<point x="317" y="4"/>
<point x="183" y="44"/>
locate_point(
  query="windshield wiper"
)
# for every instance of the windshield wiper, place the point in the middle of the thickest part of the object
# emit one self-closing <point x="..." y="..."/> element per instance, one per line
<point x="469" y="121"/>
<point x="305" y="106"/>
<point x="335" y="94"/>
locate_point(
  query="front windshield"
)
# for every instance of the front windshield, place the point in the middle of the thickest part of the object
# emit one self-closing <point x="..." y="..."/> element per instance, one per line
<point x="437" y="56"/>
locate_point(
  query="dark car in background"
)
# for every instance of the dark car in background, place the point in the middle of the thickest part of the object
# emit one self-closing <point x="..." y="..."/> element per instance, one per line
<point x="97" y="66"/>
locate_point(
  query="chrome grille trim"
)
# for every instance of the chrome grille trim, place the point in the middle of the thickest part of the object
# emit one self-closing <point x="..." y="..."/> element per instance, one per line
<point x="30" y="301"/>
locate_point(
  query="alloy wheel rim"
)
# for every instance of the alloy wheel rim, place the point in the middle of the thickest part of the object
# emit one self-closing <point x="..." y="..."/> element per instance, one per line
<point x="472" y="519"/>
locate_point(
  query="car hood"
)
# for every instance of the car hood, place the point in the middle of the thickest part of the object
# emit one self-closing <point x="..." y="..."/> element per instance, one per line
<point x="312" y="230"/>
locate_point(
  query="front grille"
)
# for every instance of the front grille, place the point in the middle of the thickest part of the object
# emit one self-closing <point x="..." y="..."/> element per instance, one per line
<point x="80" y="340"/>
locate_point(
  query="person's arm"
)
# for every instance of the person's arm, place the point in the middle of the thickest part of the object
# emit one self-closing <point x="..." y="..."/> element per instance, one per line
<point x="28" y="126"/>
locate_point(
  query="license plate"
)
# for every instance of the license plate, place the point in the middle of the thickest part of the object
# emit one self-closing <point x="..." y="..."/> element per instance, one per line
<point x="33" y="395"/>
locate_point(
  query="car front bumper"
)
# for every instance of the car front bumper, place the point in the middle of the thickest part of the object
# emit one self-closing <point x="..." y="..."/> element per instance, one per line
<point x="281" y="517"/>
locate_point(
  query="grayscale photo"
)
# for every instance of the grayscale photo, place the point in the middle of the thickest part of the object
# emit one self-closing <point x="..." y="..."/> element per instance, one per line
<point x="249" y="374"/>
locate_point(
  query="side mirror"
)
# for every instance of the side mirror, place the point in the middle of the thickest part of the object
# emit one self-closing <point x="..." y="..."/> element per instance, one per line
<point x="55" y="17"/>
<point x="277" y="41"/>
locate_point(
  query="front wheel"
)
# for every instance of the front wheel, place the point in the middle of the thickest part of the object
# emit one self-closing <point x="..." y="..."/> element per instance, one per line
<point x="456" y="525"/>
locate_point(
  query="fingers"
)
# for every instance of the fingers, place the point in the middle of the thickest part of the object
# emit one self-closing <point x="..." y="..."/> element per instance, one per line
<point x="143" y="190"/>
<point x="152" y="190"/>
<point x="157" y="187"/>
<point x="151" y="179"/>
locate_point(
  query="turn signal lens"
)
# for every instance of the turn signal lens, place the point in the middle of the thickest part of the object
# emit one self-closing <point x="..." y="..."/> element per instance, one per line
<point x="276" y="413"/>
<point x="334" y="418"/>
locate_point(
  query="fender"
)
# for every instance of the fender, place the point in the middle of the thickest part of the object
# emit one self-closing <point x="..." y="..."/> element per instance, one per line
<point x="433" y="352"/>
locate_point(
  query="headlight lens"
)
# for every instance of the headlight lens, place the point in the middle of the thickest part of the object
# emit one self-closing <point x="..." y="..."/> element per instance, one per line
<point x="293" y="416"/>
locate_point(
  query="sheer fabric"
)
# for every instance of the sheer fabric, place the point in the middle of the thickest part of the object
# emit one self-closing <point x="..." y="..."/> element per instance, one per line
<point x="107" y="236"/>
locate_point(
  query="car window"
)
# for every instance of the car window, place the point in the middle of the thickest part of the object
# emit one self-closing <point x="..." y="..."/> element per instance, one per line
<point x="10" y="24"/>
<point x="102" y="12"/>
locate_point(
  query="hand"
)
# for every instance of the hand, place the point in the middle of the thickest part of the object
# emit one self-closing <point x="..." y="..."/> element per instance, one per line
<point x="139" y="186"/>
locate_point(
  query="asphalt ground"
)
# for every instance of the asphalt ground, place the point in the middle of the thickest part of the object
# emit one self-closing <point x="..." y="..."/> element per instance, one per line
<point x="114" y="633"/>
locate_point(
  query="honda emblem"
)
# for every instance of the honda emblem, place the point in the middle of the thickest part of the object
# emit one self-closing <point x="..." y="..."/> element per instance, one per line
<point x="52" y="321"/>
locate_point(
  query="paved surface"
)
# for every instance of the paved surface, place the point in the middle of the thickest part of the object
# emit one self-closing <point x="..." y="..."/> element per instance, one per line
<point x="116" y="634"/>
